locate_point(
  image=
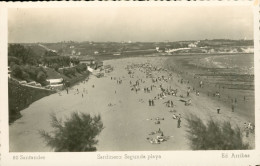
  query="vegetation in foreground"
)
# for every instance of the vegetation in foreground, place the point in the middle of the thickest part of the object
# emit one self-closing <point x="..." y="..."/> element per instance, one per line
<point x="76" y="134"/>
<point x="213" y="135"/>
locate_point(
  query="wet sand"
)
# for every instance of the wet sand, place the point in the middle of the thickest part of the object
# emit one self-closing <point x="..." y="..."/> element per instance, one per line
<point x="233" y="84"/>
<point x="127" y="122"/>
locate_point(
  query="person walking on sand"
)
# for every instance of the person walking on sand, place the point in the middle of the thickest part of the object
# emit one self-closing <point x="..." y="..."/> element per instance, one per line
<point x="218" y="110"/>
<point x="233" y="107"/>
<point x="188" y="92"/>
<point x="149" y="102"/>
<point x="201" y="84"/>
<point x="179" y="123"/>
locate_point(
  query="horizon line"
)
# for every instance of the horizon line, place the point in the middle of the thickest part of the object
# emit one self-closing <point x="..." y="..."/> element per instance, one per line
<point x="129" y="41"/>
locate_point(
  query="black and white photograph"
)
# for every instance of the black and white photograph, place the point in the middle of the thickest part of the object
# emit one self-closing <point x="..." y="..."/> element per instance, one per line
<point x="120" y="78"/>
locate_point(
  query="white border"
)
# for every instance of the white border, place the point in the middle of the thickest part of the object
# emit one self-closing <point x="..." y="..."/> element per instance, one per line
<point x="168" y="157"/>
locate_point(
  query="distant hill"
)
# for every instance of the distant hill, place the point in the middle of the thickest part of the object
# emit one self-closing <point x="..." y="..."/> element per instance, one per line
<point x="125" y="48"/>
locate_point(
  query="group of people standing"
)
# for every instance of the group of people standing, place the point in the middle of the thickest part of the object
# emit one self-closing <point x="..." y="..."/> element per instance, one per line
<point x="151" y="102"/>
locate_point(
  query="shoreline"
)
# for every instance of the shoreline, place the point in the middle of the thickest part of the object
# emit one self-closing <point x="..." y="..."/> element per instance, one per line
<point x="194" y="74"/>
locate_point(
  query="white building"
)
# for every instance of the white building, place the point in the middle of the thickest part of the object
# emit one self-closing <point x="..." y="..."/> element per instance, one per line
<point x="192" y="45"/>
<point x="55" y="81"/>
<point x="117" y="53"/>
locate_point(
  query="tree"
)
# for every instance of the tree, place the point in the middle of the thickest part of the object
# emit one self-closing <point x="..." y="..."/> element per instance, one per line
<point x="17" y="71"/>
<point x="19" y="51"/>
<point x="50" y="54"/>
<point x="25" y="76"/>
<point x="213" y="135"/>
<point x="41" y="77"/>
<point x="66" y="72"/>
<point x="76" y="134"/>
<point x="55" y="66"/>
<point x="13" y="60"/>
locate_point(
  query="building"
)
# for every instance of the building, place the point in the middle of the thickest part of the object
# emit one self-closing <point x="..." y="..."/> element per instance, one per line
<point x="87" y="60"/>
<point x="117" y="53"/>
<point x="192" y="45"/>
<point x="55" y="83"/>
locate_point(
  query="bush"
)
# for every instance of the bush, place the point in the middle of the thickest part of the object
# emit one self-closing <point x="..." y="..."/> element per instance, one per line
<point x="41" y="77"/>
<point x="213" y="135"/>
<point x="76" y="134"/>
<point x="56" y="67"/>
<point x="81" y="68"/>
<point x="13" y="60"/>
<point x="25" y="76"/>
<point x="17" y="71"/>
<point x="73" y="71"/>
<point x="66" y="72"/>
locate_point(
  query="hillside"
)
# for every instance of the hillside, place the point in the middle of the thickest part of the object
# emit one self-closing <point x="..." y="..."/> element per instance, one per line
<point x="21" y="97"/>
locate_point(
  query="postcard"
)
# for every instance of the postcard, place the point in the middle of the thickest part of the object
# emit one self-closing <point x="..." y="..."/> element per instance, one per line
<point x="133" y="83"/>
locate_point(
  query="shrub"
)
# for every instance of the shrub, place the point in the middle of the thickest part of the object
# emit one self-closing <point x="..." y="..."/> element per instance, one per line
<point x="41" y="77"/>
<point x="17" y="71"/>
<point x="81" y="68"/>
<point x="25" y="76"/>
<point x="73" y="71"/>
<point x="76" y="134"/>
<point x="213" y="135"/>
<point x="56" y="67"/>
<point x="66" y="72"/>
<point x="13" y="60"/>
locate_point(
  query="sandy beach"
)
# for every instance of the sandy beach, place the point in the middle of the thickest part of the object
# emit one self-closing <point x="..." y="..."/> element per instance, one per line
<point x="130" y="123"/>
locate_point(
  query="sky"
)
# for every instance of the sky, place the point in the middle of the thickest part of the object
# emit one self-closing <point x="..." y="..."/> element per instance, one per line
<point x="143" y="24"/>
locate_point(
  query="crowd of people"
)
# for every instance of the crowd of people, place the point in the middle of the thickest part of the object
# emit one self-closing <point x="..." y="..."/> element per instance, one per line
<point x="155" y="82"/>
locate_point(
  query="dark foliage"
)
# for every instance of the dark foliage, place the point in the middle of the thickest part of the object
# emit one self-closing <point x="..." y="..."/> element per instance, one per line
<point x="213" y="135"/>
<point x="81" y="68"/>
<point x="76" y="134"/>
